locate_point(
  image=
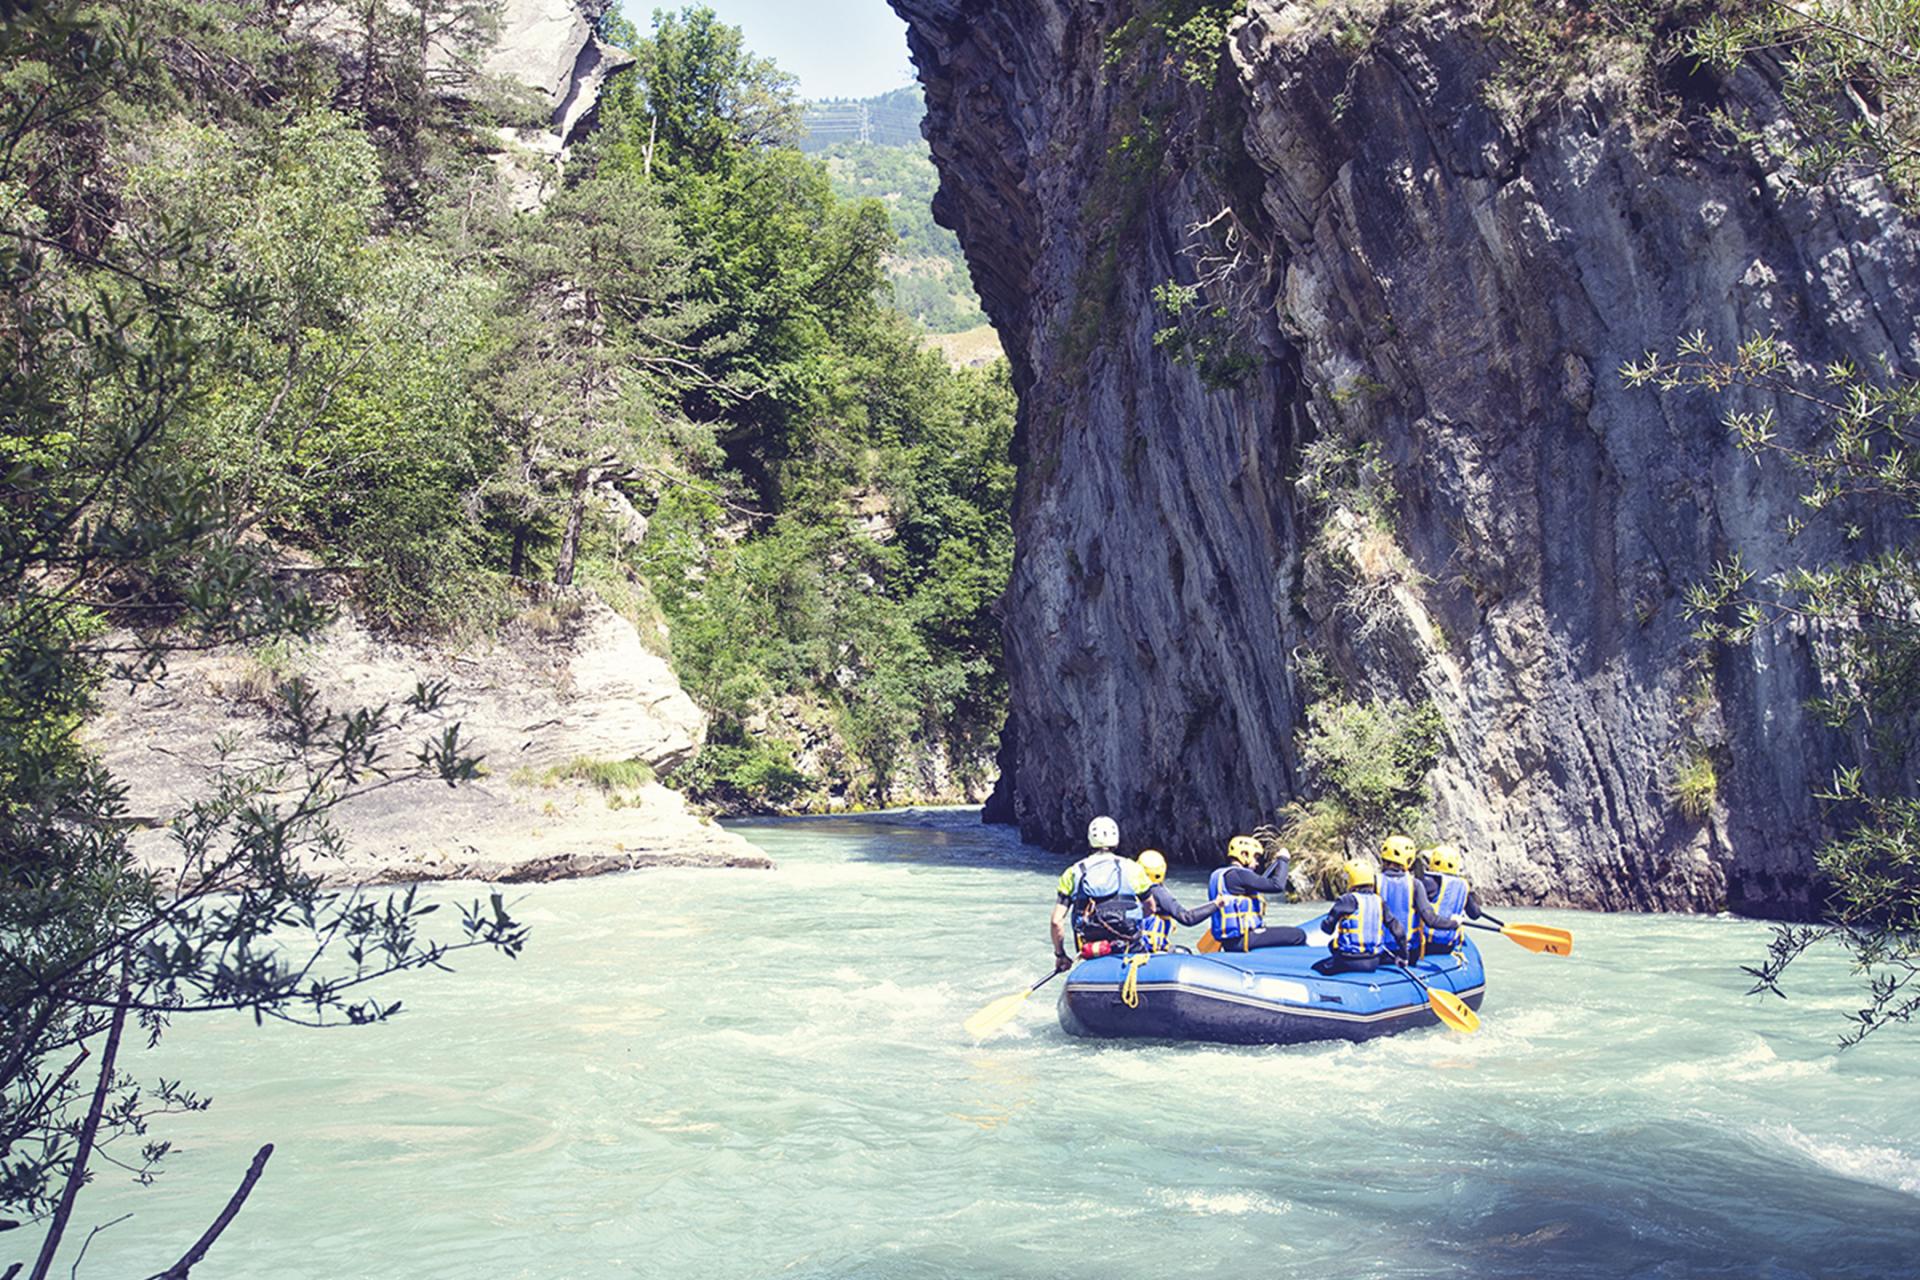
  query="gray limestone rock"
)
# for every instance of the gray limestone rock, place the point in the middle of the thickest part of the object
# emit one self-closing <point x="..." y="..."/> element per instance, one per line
<point x="1406" y="271"/>
<point x="530" y="703"/>
<point x="554" y="48"/>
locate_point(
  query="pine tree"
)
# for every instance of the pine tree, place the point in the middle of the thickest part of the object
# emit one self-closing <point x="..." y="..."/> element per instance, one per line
<point x="594" y="323"/>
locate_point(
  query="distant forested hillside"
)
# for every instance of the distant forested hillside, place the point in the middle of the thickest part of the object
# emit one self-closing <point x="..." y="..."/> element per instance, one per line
<point x="889" y="120"/>
<point x="873" y="149"/>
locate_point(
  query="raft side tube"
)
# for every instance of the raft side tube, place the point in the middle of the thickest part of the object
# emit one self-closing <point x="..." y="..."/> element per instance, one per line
<point x="1268" y="996"/>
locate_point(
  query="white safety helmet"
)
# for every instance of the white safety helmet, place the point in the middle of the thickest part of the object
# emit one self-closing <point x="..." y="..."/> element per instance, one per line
<point x="1103" y="833"/>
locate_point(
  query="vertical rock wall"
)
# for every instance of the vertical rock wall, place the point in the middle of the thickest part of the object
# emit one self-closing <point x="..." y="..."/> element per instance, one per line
<point x="1408" y="274"/>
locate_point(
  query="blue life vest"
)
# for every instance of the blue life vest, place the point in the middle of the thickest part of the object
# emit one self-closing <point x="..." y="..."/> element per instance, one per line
<point x="1105" y="889"/>
<point x="1451" y="900"/>
<point x="1156" y="933"/>
<point x="1241" y="916"/>
<point x="1364" y="933"/>
<point x="1396" y="895"/>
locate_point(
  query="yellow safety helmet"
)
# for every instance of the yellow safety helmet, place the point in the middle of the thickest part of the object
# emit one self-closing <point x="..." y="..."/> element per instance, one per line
<point x="1362" y="876"/>
<point x="1397" y="851"/>
<point x="1244" y="850"/>
<point x="1444" y="859"/>
<point x="1154" y="863"/>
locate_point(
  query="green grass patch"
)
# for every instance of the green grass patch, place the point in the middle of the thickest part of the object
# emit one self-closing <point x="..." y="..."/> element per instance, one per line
<point x="1695" y="784"/>
<point x="613" y="779"/>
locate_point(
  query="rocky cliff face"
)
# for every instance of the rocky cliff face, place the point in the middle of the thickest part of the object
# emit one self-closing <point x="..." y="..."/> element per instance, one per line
<point x="1386" y="272"/>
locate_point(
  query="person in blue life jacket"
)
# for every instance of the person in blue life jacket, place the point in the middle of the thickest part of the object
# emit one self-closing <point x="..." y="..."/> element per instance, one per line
<point x="1162" y="909"/>
<point x="1450" y="894"/>
<point x="1404" y="896"/>
<point x="1361" y="932"/>
<point x="1240" y="923"/>
<point x="1098" y="897"/>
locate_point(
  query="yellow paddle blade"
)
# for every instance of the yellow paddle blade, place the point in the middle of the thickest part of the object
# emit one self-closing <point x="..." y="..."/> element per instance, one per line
<point x="1208" y="944"/>
<point x="996" y="1015"/>
<point x="1540" y="938"/>
<point x="1453" y="1011"/>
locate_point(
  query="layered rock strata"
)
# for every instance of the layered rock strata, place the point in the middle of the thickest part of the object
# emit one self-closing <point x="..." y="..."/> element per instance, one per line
<point x="1386" y="271"/>
<point x="541" y="705"/>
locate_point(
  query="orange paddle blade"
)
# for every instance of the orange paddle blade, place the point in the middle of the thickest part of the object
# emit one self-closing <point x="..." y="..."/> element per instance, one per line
<point x="1453" y="1011"/>
<point x="1541" y="938"/>
<point x="996" y="1015"/>
<point x="1208" y="944"/>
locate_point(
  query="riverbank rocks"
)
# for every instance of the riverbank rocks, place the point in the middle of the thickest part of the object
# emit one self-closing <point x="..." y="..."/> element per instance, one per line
<point x="1386" y="270"/>
<point x="560" y="706"/>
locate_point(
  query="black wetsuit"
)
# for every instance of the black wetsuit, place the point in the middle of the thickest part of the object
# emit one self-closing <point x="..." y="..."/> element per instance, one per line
<point x="1248" y="882"/>
<point x="1164" y="903"/>
<point x="1345" y="905"/>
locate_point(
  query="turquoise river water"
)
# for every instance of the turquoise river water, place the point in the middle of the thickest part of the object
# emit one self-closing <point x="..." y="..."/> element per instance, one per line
<point x="731" y="1073"/>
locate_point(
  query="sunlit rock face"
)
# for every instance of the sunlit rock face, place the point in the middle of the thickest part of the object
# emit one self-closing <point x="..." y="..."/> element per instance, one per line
<point x="550" y="48"/>
<point x="553" y="47"/>
<point x="1402" y="271"/>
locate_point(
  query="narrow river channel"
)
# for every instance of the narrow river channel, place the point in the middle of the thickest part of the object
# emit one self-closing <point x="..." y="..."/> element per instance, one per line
<point x="738" y="1074"/>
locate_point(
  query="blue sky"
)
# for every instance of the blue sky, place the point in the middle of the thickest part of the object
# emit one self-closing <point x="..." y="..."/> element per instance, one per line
<point x="838" y="48"/>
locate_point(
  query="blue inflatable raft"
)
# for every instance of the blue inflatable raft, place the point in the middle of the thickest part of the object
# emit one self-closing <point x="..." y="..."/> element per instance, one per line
<point x="1273" y="995"/>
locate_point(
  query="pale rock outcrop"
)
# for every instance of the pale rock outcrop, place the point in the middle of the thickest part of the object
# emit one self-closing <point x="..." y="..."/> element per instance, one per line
<point x="1410" y="272"/>
<point x="529" y="704"/>
<point x="550" y="48"/>
<point x="553" y="47"/>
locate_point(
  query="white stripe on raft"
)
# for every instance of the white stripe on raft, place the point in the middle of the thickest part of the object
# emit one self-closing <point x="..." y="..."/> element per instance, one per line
<point x="1305" y="1011"/>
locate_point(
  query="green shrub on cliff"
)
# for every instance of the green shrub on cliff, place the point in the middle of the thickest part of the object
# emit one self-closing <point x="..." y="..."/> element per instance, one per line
<point x="1850" y="80"/>
<point x="1848" y="71"/>
<point x="1695" y="784"/>
<point x="1369" y="763"/>
<point x="1191" y="35"/>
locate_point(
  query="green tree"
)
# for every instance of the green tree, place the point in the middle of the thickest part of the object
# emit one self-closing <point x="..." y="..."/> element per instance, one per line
<point x="414" y="79"/>
<point x="115" y="551"/>
<point x="926" y="268"/>
<point x="337" y="412"/>
<point x="595" y="346"/>
<point x="697" y="96"/>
